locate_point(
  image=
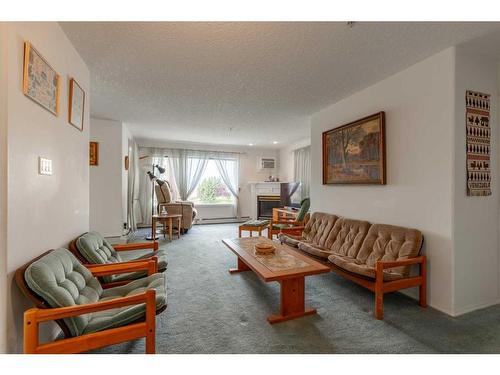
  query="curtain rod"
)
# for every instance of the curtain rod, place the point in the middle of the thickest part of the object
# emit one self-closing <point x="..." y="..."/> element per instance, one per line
<point x="195" y="150"/>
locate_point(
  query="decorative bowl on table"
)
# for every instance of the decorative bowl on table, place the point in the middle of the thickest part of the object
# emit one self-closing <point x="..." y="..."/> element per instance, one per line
<point x="264" y="248"/>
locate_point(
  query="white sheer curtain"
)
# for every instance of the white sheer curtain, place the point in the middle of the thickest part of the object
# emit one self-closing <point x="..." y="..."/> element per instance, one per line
<point x="229" y="172"/>
<point x="133" y="206"/>
<point x="302" y="169"/>
<point x="188" y="168"/>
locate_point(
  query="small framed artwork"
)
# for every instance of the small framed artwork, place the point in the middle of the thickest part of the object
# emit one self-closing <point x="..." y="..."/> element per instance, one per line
<point x="94" y="153"/>
<point x="355" y="153"/>
<point x="76" y="104"/>
<point x="41" y="83"/>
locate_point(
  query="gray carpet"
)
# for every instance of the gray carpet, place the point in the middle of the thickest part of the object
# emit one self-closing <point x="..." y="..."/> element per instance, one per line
<point x="211" y="311"/>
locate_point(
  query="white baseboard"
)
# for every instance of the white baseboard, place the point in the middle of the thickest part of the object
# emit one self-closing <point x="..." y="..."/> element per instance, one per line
<point x="221" y="220"/>
<point x="470" y="308"/>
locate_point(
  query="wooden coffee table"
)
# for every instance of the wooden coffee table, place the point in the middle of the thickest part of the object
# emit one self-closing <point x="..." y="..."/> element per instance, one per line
<point x="286" y="266"/>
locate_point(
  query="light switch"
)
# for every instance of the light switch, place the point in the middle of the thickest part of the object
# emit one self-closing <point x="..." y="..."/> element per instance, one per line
<point x="44" y="166"/>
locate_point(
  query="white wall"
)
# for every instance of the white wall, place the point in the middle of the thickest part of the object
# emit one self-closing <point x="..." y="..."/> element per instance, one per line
<point x="476" y="219"/>
<point x="44" y="212"/>
<point x="106" y="178"/>
<point x="248" y="171"/>
<point x="419" y="107"/>
<point x="3" y="188"/>
<point x="286" y="172"/>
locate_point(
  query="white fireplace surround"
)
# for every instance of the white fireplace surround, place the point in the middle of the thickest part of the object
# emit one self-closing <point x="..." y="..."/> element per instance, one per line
<point x="262" y="188"/>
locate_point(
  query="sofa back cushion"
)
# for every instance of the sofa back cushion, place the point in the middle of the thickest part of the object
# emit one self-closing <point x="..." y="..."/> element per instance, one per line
<point x="318" y="227"/>
<point x="390" y="243"/>
<point x="61" y="280"/>
<point x="346" y="237"/>
<point x="96" y="249"/>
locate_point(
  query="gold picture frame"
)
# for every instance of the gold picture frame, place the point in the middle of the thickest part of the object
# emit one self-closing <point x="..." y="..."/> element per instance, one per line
<point x="94" y="153"/>
<point x="355" y="153"/>
<point x="76" y="105"/>
<point x="41" y="83"/>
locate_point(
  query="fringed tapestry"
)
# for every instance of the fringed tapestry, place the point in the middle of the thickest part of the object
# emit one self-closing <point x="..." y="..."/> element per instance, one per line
<point x="477" y="119"/>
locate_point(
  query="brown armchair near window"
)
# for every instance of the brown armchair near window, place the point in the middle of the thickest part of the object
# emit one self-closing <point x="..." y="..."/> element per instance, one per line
<point x="184" y="208"/>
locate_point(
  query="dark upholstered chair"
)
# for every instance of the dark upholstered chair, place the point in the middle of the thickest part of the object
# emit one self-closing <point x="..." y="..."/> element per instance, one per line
<point x="93" y="248"/>
<point x="65" y="290"/>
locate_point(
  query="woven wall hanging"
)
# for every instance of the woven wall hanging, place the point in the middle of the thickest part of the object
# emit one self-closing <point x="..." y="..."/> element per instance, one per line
<point x="477" y="120"/>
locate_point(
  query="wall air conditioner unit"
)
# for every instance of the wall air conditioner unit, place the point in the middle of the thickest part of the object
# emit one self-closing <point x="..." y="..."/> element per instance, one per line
<point x="266" y="163"/>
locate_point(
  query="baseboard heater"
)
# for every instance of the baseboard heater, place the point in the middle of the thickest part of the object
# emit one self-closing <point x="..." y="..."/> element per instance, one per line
<point x="221" y="220"/>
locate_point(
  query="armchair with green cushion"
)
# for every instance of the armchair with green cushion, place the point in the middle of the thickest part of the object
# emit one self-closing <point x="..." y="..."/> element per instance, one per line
<point x="65" y="291"/>
<point x="277" y="226"/>
<point x="93" y="248"/>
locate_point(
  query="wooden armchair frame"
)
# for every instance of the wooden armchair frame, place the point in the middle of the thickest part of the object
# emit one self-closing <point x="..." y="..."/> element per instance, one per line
<point x="70" y="344"/>
<point x="295" y="226"/>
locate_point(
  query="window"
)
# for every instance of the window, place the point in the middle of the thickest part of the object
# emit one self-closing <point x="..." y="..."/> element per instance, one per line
<point x="211" y="189"/>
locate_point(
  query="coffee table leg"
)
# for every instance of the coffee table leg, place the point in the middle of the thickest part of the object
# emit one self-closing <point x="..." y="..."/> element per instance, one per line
<point x="292" y="304"/>
<point x="242" y="267"/>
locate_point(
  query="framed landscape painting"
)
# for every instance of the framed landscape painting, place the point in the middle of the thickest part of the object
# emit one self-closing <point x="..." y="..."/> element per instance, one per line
<point x="41" y="83"/>
<point x="355" y="153"/>
<point x="76" y="104"/>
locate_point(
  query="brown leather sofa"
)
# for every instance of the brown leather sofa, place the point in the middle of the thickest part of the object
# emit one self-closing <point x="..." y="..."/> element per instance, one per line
<point x="376" y="256"/>
<point x="184" y="208"/>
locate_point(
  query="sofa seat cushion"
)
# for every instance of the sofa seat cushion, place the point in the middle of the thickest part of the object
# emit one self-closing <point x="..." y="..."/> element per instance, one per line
<point x="133" y="255"/>
<point x="314" y="250"/>
<point x="390" y="243"/>
<point x="118" y="317"/>
<point x="61" y="280"/>
<point x="355" y="266"/>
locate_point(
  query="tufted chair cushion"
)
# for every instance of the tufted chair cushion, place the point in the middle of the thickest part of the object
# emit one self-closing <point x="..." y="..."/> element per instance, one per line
<point x="94" y="247"/>
<point x="121" y="316"/>
<point x="390" y="243"/>
<point x="61" y="280"/>
<point x="318" y="227"/>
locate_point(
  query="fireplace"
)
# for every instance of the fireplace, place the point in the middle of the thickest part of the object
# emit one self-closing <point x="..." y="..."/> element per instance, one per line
<point x="265" y="205"/>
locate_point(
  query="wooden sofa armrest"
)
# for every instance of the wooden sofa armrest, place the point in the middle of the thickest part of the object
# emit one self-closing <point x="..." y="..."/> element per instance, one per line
<point x="136" y="246"/>
<point x="404" y="262"/>
<point x="34" y="316"/>
<point x="150" y="265"/>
